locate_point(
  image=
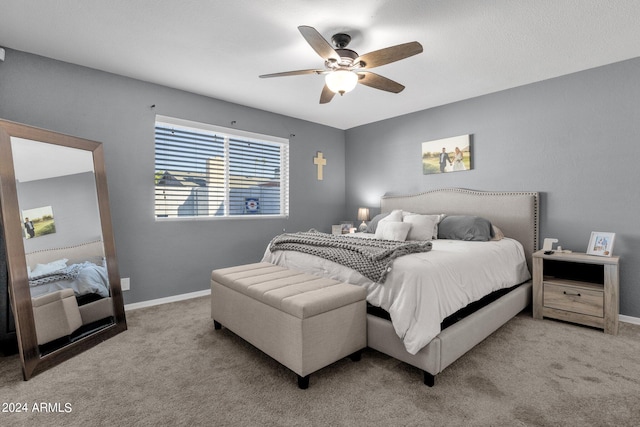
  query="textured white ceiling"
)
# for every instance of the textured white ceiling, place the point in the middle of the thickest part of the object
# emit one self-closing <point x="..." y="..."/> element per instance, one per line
<point x="218" y="48"/>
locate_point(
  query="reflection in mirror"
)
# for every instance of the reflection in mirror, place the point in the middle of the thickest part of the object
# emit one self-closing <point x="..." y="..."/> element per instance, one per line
<point x="68" y="253"/>
<point x="63" y="275"/>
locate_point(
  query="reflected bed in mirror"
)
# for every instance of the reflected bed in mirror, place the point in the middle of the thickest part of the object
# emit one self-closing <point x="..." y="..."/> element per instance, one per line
<point x="63" y="277"/>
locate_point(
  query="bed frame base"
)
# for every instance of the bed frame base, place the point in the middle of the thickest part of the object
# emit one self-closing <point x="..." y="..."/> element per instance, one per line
<point x="452" y="342"/>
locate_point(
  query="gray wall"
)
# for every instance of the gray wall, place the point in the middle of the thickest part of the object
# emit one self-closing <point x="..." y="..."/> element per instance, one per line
<point x="74" y="202"/>
<point x="575" y="139"/>
<point x="169" y="258"/>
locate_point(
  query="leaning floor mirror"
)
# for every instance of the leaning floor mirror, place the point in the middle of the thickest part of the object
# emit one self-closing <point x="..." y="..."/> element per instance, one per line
<point x="64" y="284"/>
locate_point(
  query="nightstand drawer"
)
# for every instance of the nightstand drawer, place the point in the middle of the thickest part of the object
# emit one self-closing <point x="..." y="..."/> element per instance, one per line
<point x="574" y="299"/>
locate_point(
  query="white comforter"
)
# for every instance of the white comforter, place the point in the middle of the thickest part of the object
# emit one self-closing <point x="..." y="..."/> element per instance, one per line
<point x="423" y="289"/>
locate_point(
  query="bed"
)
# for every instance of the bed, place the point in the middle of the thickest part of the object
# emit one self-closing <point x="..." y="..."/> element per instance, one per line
<point x="80" y="267"/>
<point x="407" y="332"/>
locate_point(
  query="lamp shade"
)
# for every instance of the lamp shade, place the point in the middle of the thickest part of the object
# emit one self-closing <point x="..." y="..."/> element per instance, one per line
<point x="363" y="214"/>
<point x="341" y="81"/>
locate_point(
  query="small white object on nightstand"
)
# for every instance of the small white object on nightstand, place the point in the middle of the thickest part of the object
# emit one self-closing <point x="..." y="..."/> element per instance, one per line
<point x="548" y="243"/>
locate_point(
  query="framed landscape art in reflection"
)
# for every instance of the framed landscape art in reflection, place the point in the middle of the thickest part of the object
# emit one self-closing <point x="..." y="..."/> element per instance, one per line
<point x="38" y="222"/>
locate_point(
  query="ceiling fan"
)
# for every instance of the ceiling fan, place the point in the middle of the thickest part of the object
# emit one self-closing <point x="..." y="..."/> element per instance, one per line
<point x="344" y="68"/>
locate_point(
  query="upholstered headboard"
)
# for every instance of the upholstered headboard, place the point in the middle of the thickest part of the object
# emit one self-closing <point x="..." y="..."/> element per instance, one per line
<point x="90" y="251"/>
<point x="515" y="213"/>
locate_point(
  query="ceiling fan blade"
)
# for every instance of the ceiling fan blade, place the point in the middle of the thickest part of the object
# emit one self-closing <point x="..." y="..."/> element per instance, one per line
<point x="376" y="81"/>
<point x="326" y="95"/>
<point x="318" y="43"/>
<point x="292" y="73"/>
<point x="389" y="54"/>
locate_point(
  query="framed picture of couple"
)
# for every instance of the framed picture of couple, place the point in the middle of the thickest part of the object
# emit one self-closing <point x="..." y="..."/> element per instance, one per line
<point x="38" y="222"/>
<point x="453" y="154"/>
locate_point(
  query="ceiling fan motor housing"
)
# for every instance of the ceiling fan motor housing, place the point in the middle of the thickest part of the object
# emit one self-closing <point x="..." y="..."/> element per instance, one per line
<point x="347" y="56"/>
<point x="341" y="40"/>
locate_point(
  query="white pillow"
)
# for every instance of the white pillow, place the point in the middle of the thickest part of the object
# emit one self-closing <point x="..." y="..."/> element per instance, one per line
<point x="49" y="268"/>
<point x="394" y="216"/>
<point x="423" y="227"/>
<point x="393" y="230"/>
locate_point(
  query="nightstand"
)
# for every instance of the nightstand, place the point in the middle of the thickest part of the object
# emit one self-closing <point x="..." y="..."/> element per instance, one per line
<point x="576" y="287"/>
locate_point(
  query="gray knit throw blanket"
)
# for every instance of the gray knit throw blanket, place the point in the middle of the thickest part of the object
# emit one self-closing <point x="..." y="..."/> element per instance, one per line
<point x="67" y="273"/>
<point x="372" y="258"/>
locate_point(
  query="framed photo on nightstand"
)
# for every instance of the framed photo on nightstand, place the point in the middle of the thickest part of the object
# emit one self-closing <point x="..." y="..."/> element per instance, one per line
<point x="346" y="227"/>
<point x="601" y="243"/>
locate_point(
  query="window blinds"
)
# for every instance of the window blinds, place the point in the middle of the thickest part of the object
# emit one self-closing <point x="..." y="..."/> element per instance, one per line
<point x="201" y="172"/>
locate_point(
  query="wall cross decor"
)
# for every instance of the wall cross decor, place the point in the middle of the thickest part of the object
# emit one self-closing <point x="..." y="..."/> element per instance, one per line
<point x="319" y="161"/>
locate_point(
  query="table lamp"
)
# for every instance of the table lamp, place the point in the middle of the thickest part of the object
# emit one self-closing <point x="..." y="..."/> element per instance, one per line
<point x="363" y="215"/>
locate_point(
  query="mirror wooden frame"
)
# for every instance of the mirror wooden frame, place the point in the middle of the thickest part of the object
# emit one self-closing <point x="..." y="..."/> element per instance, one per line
<point x="32" y="361"/>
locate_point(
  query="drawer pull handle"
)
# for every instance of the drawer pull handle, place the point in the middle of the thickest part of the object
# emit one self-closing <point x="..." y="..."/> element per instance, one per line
<point x="573" y="294"/>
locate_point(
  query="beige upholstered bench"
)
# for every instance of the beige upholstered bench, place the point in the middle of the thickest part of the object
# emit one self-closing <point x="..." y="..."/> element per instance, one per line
<point x="56" y="315"/>
<point x="96" y="310"/>
<point x="303" y="321"/>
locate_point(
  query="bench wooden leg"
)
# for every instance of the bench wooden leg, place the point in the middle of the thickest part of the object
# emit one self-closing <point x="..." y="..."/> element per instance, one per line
<point x="429" y="380"/>
<point x="355" y="357"/>
<point x="303" y="382"/>
<point x="217" y="325"/>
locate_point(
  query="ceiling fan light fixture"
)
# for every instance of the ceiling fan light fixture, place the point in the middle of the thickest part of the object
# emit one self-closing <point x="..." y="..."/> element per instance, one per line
<point x="341" y="81"/>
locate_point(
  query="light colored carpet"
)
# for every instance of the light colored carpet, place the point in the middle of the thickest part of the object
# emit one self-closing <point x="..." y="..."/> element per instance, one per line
<point x="171" y="368"/>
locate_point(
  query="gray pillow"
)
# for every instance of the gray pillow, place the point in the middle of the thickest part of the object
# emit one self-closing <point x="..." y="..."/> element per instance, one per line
<point x="465" y="227"/>
<point x="373" y="225"/>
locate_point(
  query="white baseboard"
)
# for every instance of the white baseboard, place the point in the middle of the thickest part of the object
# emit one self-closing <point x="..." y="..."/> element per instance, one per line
<point x="182" y="297"/>
<point x="629" y="319"/>
<point x="166" y="300"/>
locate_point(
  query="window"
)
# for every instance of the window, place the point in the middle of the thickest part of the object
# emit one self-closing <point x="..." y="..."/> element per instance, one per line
<point x="207" y="171"/>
